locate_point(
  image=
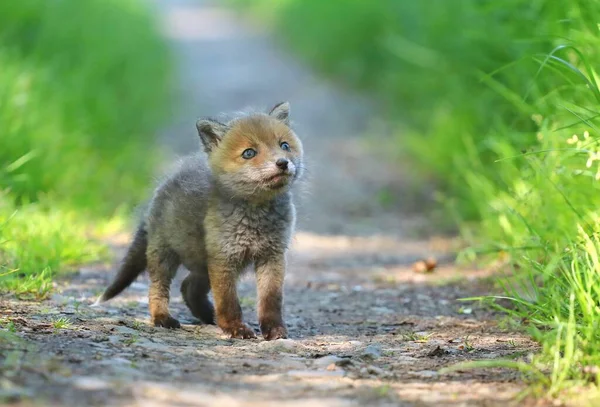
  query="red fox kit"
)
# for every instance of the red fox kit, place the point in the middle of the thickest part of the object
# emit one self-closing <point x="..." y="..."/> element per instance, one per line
<point x="218" y="216"/>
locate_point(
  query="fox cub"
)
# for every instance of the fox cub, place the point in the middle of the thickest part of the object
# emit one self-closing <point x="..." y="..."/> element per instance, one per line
<point x="217" y="217"/>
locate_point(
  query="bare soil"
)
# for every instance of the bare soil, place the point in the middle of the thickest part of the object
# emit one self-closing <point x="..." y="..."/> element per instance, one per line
<point x="365" y="328"/>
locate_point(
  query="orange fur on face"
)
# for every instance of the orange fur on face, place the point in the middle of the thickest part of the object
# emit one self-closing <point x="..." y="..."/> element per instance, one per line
<point x="261" y="133"/>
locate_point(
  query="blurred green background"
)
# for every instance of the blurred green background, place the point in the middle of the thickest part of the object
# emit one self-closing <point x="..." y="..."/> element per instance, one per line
<point x="83" y="87"/>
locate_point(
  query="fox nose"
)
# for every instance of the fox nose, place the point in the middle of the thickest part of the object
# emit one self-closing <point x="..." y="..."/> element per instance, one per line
<point x="282" y="163"/>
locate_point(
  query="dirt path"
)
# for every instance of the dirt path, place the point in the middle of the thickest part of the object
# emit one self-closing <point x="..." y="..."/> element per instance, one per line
<point x="365" y="329"/>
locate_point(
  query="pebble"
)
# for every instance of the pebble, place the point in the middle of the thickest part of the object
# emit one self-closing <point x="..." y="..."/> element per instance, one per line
<point x="205" y="352"/>
<point x="372" y="352"/>
<point x="375" y="370"/>
<point x="116" y="339"/>
<point x="75" y="359"/>
<point x="90" y="383"/>
<point x="327" y="360"/>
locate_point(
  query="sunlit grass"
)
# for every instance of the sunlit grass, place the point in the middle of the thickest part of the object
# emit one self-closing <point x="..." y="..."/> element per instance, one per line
<point x="61" y="323"/>
<point x="84" y="86"/>
<point x="37" y="242"/>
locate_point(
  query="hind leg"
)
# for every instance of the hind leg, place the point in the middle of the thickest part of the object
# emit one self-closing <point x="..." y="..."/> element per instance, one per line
<point x="162" y="266"/>
<point x="194" y="289"/>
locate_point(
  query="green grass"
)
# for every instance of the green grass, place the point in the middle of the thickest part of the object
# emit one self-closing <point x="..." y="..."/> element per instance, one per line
<point x="61" y="323"/>
<point x="500" y="108"/>
<point x="83" y="87"/>
<point x="36" y="242"/>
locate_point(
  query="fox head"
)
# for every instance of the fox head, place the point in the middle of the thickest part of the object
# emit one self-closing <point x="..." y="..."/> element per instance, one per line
<point x="253" y="157"/>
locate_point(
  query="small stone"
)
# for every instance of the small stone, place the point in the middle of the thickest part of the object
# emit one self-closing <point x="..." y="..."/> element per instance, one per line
<point x="437" y="352"/>
<point x="205" y="352"/>
<point x="344" y="362"/>
<point x="116" y="339"/>
<point x="430" y="263"/>
<point x="90" y="383"/>
<point x="327" y="361"/>
<point x="280" y="345"/>
<point x="419" y="267"/>
<point x="375" y="370"/>
<point x="75" y="359"/>
<point x="355" y="343"/>
<point x="331" y="367"/>
<point x="372" y="352"/>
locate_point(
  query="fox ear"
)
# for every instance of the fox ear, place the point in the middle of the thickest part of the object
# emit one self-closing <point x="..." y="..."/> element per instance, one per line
<point x="211" y="132"/>
<point x="281" y="112"/>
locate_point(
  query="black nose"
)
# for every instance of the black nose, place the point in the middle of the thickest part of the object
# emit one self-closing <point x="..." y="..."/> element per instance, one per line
<point x="282" y="163"/>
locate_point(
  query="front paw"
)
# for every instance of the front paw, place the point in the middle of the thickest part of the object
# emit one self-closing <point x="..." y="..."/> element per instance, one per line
<point x="166" y="321"/>
<point x="273" y="331"/>
<point x="240" y="331"/>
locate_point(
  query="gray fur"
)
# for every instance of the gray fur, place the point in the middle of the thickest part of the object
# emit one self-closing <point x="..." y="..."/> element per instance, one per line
<point x="190" y="201"/>
<point x="281" y="112"/>
<point x="210" y="132"/>
<point x="217" y="224"/>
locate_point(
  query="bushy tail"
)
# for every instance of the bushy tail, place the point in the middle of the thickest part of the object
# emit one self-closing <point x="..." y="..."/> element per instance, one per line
<point x="132" y="266"/>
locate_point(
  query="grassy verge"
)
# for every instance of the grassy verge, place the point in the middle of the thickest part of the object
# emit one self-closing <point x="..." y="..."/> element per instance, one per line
<point x="500" y="105"/>
<point x="38" y="242"/>
<point x="83" y="86"/>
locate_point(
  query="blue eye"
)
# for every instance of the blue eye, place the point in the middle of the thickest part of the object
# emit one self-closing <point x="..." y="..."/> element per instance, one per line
<point x="285" y="146"/>
<point x="249" y="153"/>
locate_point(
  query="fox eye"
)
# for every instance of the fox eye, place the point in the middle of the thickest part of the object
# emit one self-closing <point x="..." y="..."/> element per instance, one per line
<point x="285" y="146"/>
<point x="248" y="153"/>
